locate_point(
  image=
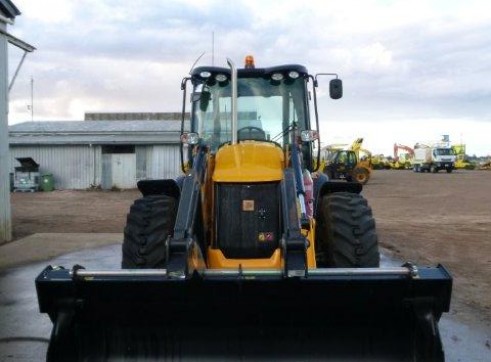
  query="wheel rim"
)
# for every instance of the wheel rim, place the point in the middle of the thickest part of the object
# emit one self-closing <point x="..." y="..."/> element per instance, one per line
<point x="361" y="178"/>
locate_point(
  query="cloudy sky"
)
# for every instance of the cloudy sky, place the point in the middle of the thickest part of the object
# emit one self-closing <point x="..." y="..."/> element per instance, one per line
<point x="412" y="70"/>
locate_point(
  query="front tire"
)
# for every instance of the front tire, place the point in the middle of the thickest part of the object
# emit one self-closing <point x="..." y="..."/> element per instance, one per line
<point x="361" y="175"/>
<point x="346" y="236"/>
<point x="150" y="221"/>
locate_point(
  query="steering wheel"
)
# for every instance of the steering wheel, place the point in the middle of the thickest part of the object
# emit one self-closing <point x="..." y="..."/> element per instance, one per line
<point x="254" y="133"/>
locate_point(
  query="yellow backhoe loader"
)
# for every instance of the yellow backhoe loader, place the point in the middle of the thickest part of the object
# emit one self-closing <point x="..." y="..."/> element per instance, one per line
<point x="353" y="164"/>
<point x="251" y="255"/>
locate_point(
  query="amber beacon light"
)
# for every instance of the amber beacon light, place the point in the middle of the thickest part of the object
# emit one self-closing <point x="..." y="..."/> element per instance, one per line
<point x="249" y="61"/>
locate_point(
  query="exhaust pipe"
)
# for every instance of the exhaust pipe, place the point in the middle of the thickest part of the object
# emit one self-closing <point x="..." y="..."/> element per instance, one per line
<point x="233" y="70"/>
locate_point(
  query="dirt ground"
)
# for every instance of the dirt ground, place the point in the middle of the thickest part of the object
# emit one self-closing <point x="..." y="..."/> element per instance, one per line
<point x="440" y="218"/>
<point x="423" y="218"/>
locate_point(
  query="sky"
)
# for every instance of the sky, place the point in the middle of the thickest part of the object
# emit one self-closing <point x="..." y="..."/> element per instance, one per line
<point x="412" y="70"/>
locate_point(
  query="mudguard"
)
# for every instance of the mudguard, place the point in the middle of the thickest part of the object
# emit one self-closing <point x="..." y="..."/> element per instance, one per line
<point x="333" y="186"/>
<point x="167" y="187"/>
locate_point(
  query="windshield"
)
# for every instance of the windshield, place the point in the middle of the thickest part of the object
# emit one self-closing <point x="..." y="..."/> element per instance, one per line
<point x="331" y="157"/>
<point x="444" y="151"/>
<point x="265" y="110"/>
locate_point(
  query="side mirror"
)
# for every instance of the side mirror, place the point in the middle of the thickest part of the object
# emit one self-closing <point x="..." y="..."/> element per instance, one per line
<point x="336" y="88"/>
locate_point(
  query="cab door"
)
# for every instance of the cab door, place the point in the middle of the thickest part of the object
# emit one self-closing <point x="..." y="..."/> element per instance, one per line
<point x="351" y="160"/>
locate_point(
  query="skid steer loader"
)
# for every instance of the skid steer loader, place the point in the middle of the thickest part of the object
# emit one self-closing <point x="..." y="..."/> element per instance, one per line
<point x="252" y="254"/>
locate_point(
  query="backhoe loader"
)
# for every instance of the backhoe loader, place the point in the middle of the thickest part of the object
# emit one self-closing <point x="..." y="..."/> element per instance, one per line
<point x="252" y="254"/>
<point x="353" y="164"/>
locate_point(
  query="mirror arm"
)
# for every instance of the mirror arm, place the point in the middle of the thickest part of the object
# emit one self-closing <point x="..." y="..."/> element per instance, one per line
<point x="316" y="125"/>
<point x="183" y="119"/>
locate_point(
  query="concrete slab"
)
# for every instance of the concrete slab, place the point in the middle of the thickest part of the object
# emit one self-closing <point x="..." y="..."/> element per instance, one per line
<point x="24" y="332"/>
<point x="46" y="246"/>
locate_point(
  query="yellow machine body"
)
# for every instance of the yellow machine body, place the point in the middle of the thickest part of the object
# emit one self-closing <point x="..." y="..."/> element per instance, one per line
<point x="247" y="161"/>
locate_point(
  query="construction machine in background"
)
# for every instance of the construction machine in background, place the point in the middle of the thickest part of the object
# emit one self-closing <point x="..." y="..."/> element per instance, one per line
<point x="486" y="165"/>
<point x="402" y="160"/>
<point x="381" y="162"/>
<point x="433" y="158"/>
<point x="328" y="150"/>
<point x="353" y="164"/>
<point x="461" y="160"/>
<point x="252" y="254"/>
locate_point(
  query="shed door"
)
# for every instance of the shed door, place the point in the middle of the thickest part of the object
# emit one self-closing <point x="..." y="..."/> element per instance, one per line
<point x="123" y="167"/>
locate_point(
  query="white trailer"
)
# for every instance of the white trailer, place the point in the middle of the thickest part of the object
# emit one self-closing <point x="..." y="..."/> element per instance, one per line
<point x="433" y="158"/>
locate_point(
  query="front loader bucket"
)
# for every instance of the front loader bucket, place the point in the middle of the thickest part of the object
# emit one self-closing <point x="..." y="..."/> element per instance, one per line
<point x="330" y="314"/>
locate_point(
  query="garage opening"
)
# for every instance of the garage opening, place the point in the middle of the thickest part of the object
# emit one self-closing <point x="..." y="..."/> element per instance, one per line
<point x="118" y="167"/>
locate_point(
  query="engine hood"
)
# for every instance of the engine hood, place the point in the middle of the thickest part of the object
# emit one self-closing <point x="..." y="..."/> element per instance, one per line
<point x="249" y="161"/>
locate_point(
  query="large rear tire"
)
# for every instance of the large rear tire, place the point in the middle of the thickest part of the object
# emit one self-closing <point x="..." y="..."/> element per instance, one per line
<point x="150" y="221"/>
<point x="346" y="235"/>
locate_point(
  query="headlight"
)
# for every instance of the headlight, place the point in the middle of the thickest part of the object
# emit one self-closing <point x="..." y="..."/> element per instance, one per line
<point x="293" y="74"/>
<point x="190" y="138"/>
<point x="205" y="74"/>
<point x="277" y="77"/>
<point x="221" y="78"/>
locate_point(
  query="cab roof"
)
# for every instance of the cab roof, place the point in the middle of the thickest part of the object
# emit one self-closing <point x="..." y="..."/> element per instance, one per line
<point x="244" y="72"/>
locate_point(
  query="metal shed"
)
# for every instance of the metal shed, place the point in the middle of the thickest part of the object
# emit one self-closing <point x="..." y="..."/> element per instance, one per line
<point x="106" y="154"/>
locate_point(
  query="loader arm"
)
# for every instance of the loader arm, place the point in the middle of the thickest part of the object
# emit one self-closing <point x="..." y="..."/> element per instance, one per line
<point x="186" y="238"/>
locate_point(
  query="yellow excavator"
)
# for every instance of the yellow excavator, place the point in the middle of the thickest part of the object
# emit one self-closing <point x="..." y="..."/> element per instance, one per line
<point x="252" y="254"/>
<point x="353" y="164"/>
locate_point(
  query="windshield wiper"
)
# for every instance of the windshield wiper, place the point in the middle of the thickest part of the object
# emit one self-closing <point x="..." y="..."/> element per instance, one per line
<point x="284" y="132"/>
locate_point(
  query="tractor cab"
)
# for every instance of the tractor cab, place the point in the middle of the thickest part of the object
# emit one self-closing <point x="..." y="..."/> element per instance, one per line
<point x="270" y="105"/>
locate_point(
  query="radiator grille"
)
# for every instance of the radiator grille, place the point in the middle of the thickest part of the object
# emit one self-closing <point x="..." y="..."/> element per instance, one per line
<point x="248" y="219"/>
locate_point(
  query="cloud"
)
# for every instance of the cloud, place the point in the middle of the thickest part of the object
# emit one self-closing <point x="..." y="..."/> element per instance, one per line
<point x="400" y="60"/>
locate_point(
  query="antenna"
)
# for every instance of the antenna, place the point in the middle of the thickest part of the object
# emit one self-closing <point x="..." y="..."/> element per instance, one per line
<point x="213" y="48"/>
<point x="196" y="61"/>
<point x="32" y="98"/>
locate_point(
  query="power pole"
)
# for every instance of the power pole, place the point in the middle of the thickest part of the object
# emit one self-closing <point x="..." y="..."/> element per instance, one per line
<point x="5" y="212"/>
<point x="8" y="12"/>
<point x="32" y="98"/>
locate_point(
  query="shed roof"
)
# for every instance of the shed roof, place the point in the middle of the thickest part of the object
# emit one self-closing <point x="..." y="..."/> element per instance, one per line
<point x="8" y="8"/>
<point x="95" y="132"/>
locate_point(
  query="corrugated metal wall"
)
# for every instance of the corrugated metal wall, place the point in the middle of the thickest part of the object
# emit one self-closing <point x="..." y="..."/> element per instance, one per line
<point x="163" y="161"/>
<point x="72" y="167"/>
<point x="81" y="166"/>
<point x="141" y="162"/>
<point x="107" y="177"/>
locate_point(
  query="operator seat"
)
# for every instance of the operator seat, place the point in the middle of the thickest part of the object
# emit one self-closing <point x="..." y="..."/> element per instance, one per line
<point x="251" y="133"/>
